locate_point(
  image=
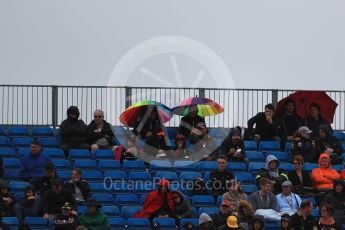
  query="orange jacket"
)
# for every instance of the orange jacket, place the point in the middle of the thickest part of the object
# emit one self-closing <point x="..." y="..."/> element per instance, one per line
<point x="343" y="174"/>
<point x="323" y="178"/>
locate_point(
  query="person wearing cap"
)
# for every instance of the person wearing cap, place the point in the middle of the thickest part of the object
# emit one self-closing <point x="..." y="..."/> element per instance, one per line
<point x="233" y="146"/>
<point x="272" y="172"/>
<point x="290" y="120"/>
<point x="267" y="126"/>
<point x="204" y="145"/>
<point x="336" y="198"/>
<point x="303" y="220"/>
<point x="55" y="198"/>
<point x="327" y="143"/>
<point x="284" y="222"/>
<point x="66" y="220"/>
<point x="29" y="205"/>
<point x="221" y="217"/>
<point x="303" y="145"/>
<point x="44" y="183"/>
<point x="288" y="202"/>
<point x="205" y="222"/>
<point x="301" y="180"/>
<point x="258" y="223"/>
<point x="79" y="187"/>
<point x="6" y="199"/>
<point x="158" y="203"/>
<point x="324" y="176"/>
<point x="32" y="165"/>
<point x="221" y="178"/>
<point x="190" y="121"/>
<point x="314" y="119"/>
<point x="231" y="223"/>
<point x="94" y="219"/>
<point x="73" y="131"/>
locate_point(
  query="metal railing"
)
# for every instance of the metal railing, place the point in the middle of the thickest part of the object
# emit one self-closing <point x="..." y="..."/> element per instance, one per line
<point x="47" y="105"/>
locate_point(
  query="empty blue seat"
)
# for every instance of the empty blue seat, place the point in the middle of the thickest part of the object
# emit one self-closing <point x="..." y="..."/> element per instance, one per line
<point x="165" y="223"/>
<point x="142" y="199"/>
<point x="309" y="167"/>
<point x="21" y="152"/>
<point x="272" y="225"/>
<point x="244" y="178"/>
<point x="75" y="154"/>
<point x="134" y="165"/>
<point x="207" y="166"/>
<point x="12" y="175"/>
<point x="203" y="201"/>
<point x="180" y="166"/>
<point x="190" y="176"/>
<point x="61" y="164"/>
<point x="11" y="163"/>
<point x="97" y="187"/>
<point x="267" y="146"/>
<point x="286" y="166"/>
<point x="2" y="131"/>
<point x="92" y="176"/>
<point x="138" y="224"/>
<point x="21" y="141"/>
<point x="144" y="188"/>
<point x="17" y="131"/>
<point x="12" y="222"/>
<point x="237" y="167"/>
<point x="167" y="175"/>
<point x="4" y="141"/>
<point x="116" y="175"/>
<point x="109" y="165"/>
<point x="64" y="175"/>
<point x="104" y="199"/>
<point x="85" y="164"/>
<point x="255" y="156"/>
<point x="117" y="223"/>
<point x="288" y="147"/>
<point x="7" y="153"/>
<point x="36" y="222"/>
<point x="160" y="165"/>
<point x="128" y="211"/>
<point x="18" y="186"/>
<point x="193" y="221"/>
<point x="208" y="210"/>
<point x="104" y="155"/>
<point x="48" y="142"/>
<point x="81" y="209"/>
<point x="42" y="132"/>
<point x="281" y="156"/>
<point x="338" y="168"/>
<point x="121" y="188"/>
<point x="139" y="176"/>
<point x="254" y="167"/>
<point x="339" y="135"/>
<point x="217" y="133"/>
<point x="120" y="132"/>
<point x="54" y="153"/>
<point x="126" y="200"/>
<point x="249" y="188"/>
<point x="250" y="145"/>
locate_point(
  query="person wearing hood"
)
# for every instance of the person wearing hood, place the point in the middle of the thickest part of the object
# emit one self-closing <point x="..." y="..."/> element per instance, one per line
<point x="231" y="223"/>
<point x="258" y="223"/>
<point x="190" y="121"/>
<point x="73" y="131"/>
<point x="324" y="176"/>
<point x="6" y="199"/>
<point x="158" y="203"/>
<point x="273" y="173"/>
<point x="235" y="194"/>
<point x="245" y="213"/>
<point x="205" y="222"/>
<point x="221" y="217"/>
<point x="290" y="120"/>
<point x="233" y="146"/>
<point x="327" y="143"/>
<point x="336" y="199"/>
<point x="303" y="145"/>
<point x="99" y="132"/>
<point x="181" y="206"/>
<point x="29" y="205"/>
<point x="314" y="119"/>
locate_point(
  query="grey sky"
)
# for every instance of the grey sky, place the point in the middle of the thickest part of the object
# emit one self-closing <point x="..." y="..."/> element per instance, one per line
<point x="265" y="44"/>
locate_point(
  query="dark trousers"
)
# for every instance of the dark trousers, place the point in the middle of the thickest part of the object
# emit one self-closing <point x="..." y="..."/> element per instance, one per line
<point x="21" y="212"/>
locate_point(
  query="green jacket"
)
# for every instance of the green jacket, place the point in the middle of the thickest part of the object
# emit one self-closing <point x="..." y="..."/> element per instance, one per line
<point x="95" y="221"/>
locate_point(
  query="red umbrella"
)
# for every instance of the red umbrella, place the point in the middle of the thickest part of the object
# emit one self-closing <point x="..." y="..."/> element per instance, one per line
<point x="303" y="99"/>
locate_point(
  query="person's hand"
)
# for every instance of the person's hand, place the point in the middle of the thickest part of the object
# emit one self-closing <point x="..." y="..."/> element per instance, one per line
<point x="290" y="138"/>
<point x="232" y="151"/>
<point x="74" y="212"/>
<point x="273" y="182"/>
<point x="97" y="130"/>
<point x="58" y="221"/>
<point x="46" y="216"/>
<point x="329" y="150"/>
<point x="7" y="200"/>
<point x="257" y="137"/>
<point x="106" y="136"/>
<point x="208" y="158"/>
<point x="31" y="198"/>
<point x="149" y="134"/>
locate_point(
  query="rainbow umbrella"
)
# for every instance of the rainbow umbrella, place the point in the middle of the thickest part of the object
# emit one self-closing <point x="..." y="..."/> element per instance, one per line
<point x="206" y="107"/>
<point x="130" y="115"/>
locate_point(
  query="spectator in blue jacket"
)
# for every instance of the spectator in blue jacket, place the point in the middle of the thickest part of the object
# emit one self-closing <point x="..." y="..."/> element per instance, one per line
<point x="32" y="165"/>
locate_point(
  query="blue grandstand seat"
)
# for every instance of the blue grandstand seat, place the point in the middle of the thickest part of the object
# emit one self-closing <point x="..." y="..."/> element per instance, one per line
<point x="339" y="168"/>
<point x="288" y="147"/>
<point x="207" y="166"/>
<point x="54" y="153"/>
<point x="12" y="175"/>
<point x="139" y="176"/>
<point x="103" y="155"/>
<point x="167" y="175"/>
<point x="42" y="132"/>
<point x="12" y="222"/>
<point x="160" y="165"/>
<point x="267" y="146"/>
<point x="339" y="135"/>
<point x="64" y="175"/>
<point x="2" y="131"/>
<point x="18" y="186"/>
<point x="21" y="152"/>
<point x="134" y="165"/>
<point x="18" y="131"/>
<point x="312" y="199"/>
<point x="217" y="133"/>
<point x="142" y="199"/>
<point x="343" y="156"/>
<point x="254" y="167"/>
<point x="4" y="141"/>
<point x="109" y="165"/>
<point x="272" y="225"/>
<point x="120" y="132"/>
<point x="104" y="199"/>
<point x="309" y="167"/>
<point x="206" y="176"/>
<point x="315" y="213"/>
<point x="85" y="164"/>
<point x="250" y="146"/>
<point x="11" y="163"/>
<point x="128" y="211"/>
<point x="208" y="210"/>
<point x="48" y="142"/>
<point x="75" y="154"/>
<point x="116" y="175"/>
<point x="121" y="188"/>
<point x="126" y="200"/>
<point x="180" y="166"/>
<point x="7" y="153"/>
<point x="286" y="166"/>
<point x="219" y="200"/>
<point x="281" y="156"/>
<point x="255" y="156"/>
<point x="117" y="223"/>
<point x="249" y="188"/>
<point x="61" y="164"/>
<point x="237" y="166"/>
<point x="36" y="223"/>
<point x="97" y="187"/>
<point x="190" y="176"/>
<point x="203" y="201"/>
<point x="138" y="224"/>
<point x="165" y="223"/>
<point x="144" y="188"/>
<point x="193" y="221"/>
<point x="81" y="209"/>
<point x="22" y="142"/>
<point x="92" y="176"/>
<point x="245" y="178"/>
<point x="218" y="142"/>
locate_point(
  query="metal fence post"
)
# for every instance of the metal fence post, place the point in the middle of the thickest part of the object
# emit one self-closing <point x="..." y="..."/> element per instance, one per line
<point x="274" y="97"/>
<point x="54" y="106"/>
<point x="201" y="92"/>
<point x="128" y="96"/>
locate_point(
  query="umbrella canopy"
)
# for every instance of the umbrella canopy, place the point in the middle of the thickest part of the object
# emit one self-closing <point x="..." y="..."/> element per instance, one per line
<point x="206" y="107"/>
<point x="130" y="115"/>
<point x="303" y="99"/>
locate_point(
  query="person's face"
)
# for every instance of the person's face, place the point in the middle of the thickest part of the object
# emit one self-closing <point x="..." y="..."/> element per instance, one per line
<point x="56" y="189"/>
<point x="266" y="188"/>
<point x="66" y="212"/>
<point x="73" y="116"/>
<point x="75" y="175"/>
<point x="244" y="210"/>
<point x="205" y="225"/>
<point x="193" y="111"/>
<point x="287" y="189"/>
<point x="314" y="112"/>
<point x="306" y="135"/>
<point x="221" y="164"/>
<point x="307" y="210"/>
<point x="324" y="163"/>
<point x="297" y="165"/>
<point x="290" y="107"/>
<point x="338" y="188"/>
<point x="29" y="193"/>
<point x="163" y="189"/>
<point x="257" y="224"/>
<point x="49" y="173"/>
<point x="35" y="149"/>
<point x="269" y="112"/>
<point x="224" y="209"/>
<point x="98" y="117"/>
<point x="285" y="224"/>
<point x="235" y="139"/>
<point x="202" y="130"/>
<point x="177" y="198"/>
<point x="322" y="134"/>
<point x="179" y="142"/>
<point x="91" y="209"/>
<point x="4" y="191"/>
<point x="273" y="165"/>
<point x="324" y="212"/>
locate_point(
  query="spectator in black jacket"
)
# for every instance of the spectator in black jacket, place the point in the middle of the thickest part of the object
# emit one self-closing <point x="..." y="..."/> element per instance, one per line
<point x="44" y="183"/>
<point x="336" y="198"/>
<point x="221" y="178"/>
<point x="78" y="187"/>
<point x="314" y="119"/>
<point x="304" y="145"/>
<point x="290" y="120"/>
<point x="221" y="217"/>
<point x="148" y="123"/>
<point x="66" y="220"/>
<point x="327" y="143"/>
<point x="73" y="131"/>
<point x="268" y="125"/>
<point x="190" y="121"/>
<point x="233" y="146"/>
<point x="29" y="205"/>
<point x="6" y="199"/>
<point x="99" y="132"/>
<point x="55" y="198"/>
<point x="204" y="144"/>
<point x="301" y="180"/>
